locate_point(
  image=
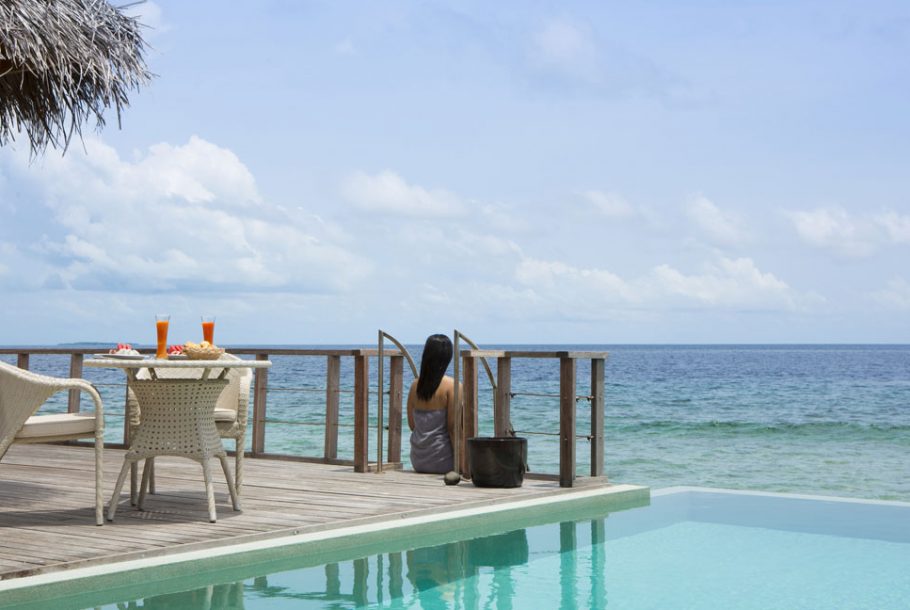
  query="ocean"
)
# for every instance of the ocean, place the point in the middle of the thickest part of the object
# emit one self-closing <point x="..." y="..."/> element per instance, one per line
<point x="820" y="419"/>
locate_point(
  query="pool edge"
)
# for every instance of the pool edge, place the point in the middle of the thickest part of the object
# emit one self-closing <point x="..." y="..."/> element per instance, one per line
<point x="27" y="589"/>
<point x="663" y="491"/>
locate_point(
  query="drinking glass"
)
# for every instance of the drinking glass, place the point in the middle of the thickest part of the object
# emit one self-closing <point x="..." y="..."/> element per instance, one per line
<point x="162" y="320"/>
<point x="208" y="329"/>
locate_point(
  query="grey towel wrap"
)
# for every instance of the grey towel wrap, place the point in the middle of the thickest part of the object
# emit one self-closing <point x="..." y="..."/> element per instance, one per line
<point x="431" y="448"/>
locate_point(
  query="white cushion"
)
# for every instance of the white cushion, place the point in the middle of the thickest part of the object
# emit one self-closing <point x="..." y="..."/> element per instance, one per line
<point x="225" y="414"/>
<point x="58" y="424"/>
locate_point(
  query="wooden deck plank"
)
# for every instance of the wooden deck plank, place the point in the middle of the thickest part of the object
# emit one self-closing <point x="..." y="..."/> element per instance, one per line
<point x="47" y="505"/>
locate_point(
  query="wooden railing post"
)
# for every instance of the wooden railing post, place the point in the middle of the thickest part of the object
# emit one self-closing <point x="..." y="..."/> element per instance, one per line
<point x="22" y="361"/>
<point x="502" y="407"/>
<point x="469" y="420"/>
<point x="259" y="407"/>
<point x="361" y="412"/>
<point x="75" y="373"/>
<point x="566" y="420"/>
<point x="396" y="385"/>
<point x="332" y="386"/>
<point x="597" y="417"/>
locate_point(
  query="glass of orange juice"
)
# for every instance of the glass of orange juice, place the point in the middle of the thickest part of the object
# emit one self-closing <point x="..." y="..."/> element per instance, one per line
<point x="162" y="320"/>
<point x="208" y="329"/>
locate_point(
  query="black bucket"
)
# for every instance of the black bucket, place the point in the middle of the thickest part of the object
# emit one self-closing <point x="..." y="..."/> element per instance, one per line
<point x="497" y="461"/>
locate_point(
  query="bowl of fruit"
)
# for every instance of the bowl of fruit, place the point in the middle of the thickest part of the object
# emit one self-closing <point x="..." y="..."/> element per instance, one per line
<point x="123" y="351"/>
<point x="175" y="352"/>
<point x="202" y="351"/>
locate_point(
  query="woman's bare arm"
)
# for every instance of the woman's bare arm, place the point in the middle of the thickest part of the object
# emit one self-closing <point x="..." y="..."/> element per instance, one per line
<point x="412" y="396"/>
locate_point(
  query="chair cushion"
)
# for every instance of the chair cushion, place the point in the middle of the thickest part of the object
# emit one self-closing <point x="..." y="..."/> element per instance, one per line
<point x="58" y="424"/>
<point x="225" y="415"/>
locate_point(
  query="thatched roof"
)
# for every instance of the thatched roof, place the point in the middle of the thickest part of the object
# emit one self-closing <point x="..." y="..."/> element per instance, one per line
<point x="63" y="62"/>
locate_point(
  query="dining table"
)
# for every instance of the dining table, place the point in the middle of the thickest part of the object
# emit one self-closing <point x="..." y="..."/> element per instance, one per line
<point x="178" y="416"/>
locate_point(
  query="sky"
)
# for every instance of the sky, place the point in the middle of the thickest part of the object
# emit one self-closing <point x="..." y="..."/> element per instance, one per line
<point x="687" y="171"/>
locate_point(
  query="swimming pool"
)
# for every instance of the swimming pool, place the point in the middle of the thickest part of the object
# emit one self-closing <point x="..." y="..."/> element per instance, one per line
<point x="690" y="548"/>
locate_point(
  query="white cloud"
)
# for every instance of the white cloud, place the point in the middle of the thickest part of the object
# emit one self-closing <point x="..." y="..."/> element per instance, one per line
<point x="387" y="192"/>
<point x="611" y="205"/>
<point x="177" y="217"/>
<point x="896" y="295"/>
<point x="836" y="230"/>
<point x="730" y="282"/>
<point x="851" y="235"/>
<point x="569" y="282"/>
<point x="896" y="226"/>
<point x="718" y="226"/>
<point x="725" y="283"/>
<point x="484" y="244"/>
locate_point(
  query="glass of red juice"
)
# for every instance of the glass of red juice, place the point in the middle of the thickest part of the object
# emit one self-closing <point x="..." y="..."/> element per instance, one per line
<point x="208" y="329"/>
<point x="162" y="320"/>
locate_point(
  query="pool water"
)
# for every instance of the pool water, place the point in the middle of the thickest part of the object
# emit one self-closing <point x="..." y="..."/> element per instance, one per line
<point x="689" y="549"/>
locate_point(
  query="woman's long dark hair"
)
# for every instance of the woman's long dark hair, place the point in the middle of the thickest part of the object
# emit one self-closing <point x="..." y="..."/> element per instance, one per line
<point x="437" y="354"/>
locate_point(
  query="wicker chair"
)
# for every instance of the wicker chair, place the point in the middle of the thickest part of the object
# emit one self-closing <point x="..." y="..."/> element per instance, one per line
<point x="23" y="392"/>
<point x="230" y="416"/>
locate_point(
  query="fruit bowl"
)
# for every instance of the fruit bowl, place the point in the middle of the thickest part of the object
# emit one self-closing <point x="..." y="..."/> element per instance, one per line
<point x="196" y="352"/>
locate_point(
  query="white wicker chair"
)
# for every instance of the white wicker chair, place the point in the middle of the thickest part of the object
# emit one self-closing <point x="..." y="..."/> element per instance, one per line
<point x="23" y="392"/>
<point x="231" y="413"/>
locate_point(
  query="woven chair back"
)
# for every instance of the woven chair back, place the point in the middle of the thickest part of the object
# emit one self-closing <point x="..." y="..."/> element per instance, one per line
<point x="21" y="394"/>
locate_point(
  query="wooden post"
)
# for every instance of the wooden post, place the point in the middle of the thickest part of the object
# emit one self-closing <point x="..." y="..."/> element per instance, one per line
<point x="332" y="385"/>
<point x="502" y="408"/>
<point x="380" y="402"/>
<point x="469" y="421"/>
<point x="22" y="361"/>
<point x="259" y="407"/>
<point x="597" y="417"/>
<point x="361" y="412"/>
<point x="75" y="373"/>
<point x="566" y="420"/>
<point x="396" y="385"/>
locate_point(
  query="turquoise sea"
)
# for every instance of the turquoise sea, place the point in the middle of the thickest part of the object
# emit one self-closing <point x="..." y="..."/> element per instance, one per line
<point x="825" y="419"/>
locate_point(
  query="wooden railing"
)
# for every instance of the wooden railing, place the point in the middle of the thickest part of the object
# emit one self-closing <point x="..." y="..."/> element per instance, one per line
<point x="567" y="403"/>
<point x="393" y="437"/>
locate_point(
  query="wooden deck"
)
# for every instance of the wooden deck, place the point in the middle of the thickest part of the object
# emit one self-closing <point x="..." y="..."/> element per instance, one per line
<point x="47" y="506"/>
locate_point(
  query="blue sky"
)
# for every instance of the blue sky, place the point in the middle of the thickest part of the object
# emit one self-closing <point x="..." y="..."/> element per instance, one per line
<point x="592" y="172"/>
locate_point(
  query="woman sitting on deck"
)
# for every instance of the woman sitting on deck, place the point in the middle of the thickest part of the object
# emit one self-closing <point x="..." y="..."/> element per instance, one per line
<point x="431" y="409"/>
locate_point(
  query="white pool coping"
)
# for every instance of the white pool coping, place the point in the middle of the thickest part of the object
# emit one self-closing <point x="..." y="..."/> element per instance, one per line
<point x="390" y="526"/>
<point x="774" y="494"/>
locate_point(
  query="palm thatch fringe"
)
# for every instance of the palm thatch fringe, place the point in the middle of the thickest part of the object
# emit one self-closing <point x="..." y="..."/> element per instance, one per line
<point x="63" y="62"/>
